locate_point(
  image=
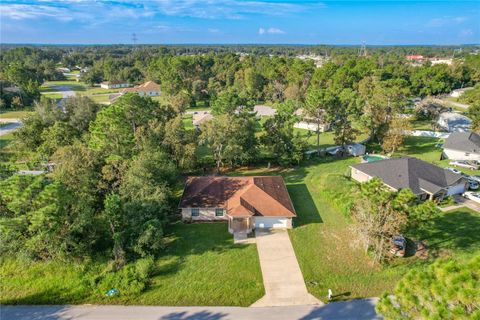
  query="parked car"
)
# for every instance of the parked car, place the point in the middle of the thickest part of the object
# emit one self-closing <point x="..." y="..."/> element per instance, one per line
<point x="473" y="184"/>
<point x="476" y="178"/>
<point x="453" y="170"/>
<point x="474" y="196"/>
<point x="399" y="245"/>
<point x="465" y="164"/>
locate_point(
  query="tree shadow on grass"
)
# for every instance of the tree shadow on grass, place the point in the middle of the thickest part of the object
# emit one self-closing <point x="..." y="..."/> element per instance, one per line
<point x="305" y="207"/>
<point x="457" y="230"/>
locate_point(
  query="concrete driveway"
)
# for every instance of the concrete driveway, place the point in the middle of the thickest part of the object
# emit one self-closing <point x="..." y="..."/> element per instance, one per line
<point x="282" y="277"/>
<point x="461" y="201"/>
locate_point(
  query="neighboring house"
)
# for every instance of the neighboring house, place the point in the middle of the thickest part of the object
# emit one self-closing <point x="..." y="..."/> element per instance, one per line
<point x="114" y="84"/>
<point x="424" y="179"/>
<point x="415" y="57"/>
<point x="454" y="122"/>
<point x="309" y="123"/>
<point x="459" y="92"/>
<point x="264" y="111"/>
<point x="147" y="89"/>
<point x="245" y="202"/>
<point x="462" y="146"/>
<point x="63" y="70"/>
<point x="200" y="117"/>
<point x="435" y="61"/>
<point x="353" y="149"/>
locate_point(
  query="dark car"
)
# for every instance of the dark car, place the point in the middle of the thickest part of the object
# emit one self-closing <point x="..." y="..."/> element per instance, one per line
<point x="399" y="245"/>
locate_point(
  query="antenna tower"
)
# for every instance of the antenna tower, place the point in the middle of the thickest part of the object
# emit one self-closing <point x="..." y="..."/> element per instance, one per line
<point x="134" y="39"/>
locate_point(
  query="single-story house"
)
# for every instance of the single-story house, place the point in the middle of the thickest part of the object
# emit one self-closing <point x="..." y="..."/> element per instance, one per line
<point x="245" y="202"/>
<point x="264" y="111"/>
<point x="200" y="117"/>
<point x="424" y="179"/>
<point x="459" y="92"/>
<point x="115" y="84"/>
<point x="462" y="146"/>
<point x="147" y="89"/>
<point x="454" y="122"/>
<point x="309" y="123"/>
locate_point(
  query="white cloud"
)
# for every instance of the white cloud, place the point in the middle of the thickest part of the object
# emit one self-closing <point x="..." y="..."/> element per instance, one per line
<point x="270" y="30"/>
<point x="26" y="11"/>
<point x="214" y="30"/>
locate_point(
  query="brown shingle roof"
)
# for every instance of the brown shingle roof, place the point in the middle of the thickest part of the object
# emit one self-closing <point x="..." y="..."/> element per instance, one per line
<point x="240" y="196"/>
<point x="148" y="86"/>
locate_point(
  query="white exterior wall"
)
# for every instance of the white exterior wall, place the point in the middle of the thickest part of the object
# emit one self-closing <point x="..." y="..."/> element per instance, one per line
<point x="206" y="214"/>
<point x="458" y="188"/>
<point x="273" y="222"/>
<point x="460" y="155"/>
<point x="311" y="126"/>
<point x="113" y="86"/>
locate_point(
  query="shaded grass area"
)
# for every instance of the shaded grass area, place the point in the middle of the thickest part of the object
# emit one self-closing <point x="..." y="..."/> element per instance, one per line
<point x="200" y="266"/>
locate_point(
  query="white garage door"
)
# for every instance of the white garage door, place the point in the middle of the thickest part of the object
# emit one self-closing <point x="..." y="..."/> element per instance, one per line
<point x="262" y="222"/>
<point x="460" y="188"/>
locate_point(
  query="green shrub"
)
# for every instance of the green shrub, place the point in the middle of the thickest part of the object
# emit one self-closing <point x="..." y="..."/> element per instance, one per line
<point x="130" y="280"/>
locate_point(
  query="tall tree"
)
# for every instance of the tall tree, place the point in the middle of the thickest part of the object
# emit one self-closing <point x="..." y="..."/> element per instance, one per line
<point x="395" y="135"/>
<point x="280" y="138"/>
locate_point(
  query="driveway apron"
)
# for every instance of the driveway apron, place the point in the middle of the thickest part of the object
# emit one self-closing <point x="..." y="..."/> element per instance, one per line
<point x="282" y="277"/>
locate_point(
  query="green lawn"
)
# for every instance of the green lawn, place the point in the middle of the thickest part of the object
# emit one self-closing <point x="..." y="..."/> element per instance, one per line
<point x="56" y="96"/>
<point x="200" y="266"/>
<point x="15" y="114"/>
<point x="73" y="85"/>
<point x="323" y="241"/>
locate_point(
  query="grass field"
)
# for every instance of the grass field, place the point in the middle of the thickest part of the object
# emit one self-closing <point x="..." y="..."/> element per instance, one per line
<point x="324" y="244"/>
<point x="15" y="114"/>
<point x="200" y="266"/>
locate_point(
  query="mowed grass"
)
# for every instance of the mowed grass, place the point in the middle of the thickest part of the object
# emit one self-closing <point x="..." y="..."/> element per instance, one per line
<point x="200" y="266"/>
<point x="323" y="237"/>
<point x="19" y="114"/>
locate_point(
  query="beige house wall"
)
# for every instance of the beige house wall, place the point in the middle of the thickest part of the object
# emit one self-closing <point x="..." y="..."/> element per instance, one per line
<point x="206" y="214"/>
<point x="359" y="175"/>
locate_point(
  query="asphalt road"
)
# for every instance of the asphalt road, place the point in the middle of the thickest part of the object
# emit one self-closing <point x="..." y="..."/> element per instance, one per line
<point x="12" y="125"/>
<point x="348" y="310"/>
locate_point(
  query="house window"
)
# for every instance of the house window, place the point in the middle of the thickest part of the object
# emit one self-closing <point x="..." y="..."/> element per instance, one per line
<point x="218" y="212"/>
<point x="195" y="212"/>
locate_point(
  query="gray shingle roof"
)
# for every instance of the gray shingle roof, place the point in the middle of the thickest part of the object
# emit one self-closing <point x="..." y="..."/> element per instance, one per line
<point x="407" y="172"/>
<point x="463" y="141"/>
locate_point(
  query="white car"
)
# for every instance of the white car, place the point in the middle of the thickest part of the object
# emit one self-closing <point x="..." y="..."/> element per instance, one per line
<point x="474" y="196"/>
<point x="454" y="170"/>
<point x="465" y="164"/>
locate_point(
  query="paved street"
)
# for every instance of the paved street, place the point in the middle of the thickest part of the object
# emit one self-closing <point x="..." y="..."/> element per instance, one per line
<point x="12" y="125"/>
<point x="282" y="277"/>
<point x="356" y="309"/>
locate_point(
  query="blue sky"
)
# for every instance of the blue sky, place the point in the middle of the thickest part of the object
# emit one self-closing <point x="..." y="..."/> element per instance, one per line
<point x="239" y="21"/>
